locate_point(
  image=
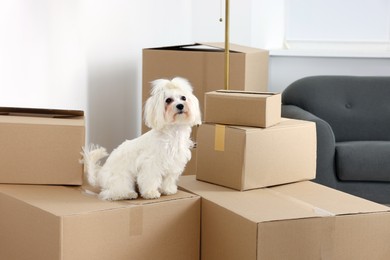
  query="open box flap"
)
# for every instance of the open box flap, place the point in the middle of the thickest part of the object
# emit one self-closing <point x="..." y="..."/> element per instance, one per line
<point x="242" y="92"/>
<point x="293" y="201"/>
<point x="233" y="47"/>
<point x="210" y="46"/>
<point x="40" y="112"/>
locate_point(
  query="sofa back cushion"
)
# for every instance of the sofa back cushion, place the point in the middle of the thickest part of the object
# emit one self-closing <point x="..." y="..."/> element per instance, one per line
<point x="357" y="108"/>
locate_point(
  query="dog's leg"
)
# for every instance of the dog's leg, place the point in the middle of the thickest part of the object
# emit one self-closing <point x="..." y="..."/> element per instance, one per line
<point x="119" y="188"/>
<point x="149" y="180"/>
<point x="169" y="184"/>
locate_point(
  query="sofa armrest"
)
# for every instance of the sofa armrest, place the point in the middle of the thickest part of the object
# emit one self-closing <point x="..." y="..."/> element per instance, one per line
<point x="291" y="111"/>
<point x="325" y="144"/>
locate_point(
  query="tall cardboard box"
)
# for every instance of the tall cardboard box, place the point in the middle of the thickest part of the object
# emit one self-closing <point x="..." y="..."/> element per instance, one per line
<point x="300" y="221"/>
<point x="57" y="222"/>
<point x="203" y="65"/>
<point x="41" y="146"/>
<point x="245" y="158"/>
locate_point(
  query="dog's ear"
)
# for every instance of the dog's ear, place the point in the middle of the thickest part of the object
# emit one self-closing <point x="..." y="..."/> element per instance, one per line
<point x="195" y="110"/>
<point x="154" y="106"/>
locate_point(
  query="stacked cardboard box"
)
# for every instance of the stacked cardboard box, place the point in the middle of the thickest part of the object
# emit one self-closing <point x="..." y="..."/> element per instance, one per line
<point x="245" y="108"/>
<point x="53" y="218"/>
<point x="203" y="65"/>
<point x="257" y="200"/>
<point x="41" y="146"/>
<point x="302" y="220"/>
<point x="233" y="151"/>
<point x="62" y="222"/>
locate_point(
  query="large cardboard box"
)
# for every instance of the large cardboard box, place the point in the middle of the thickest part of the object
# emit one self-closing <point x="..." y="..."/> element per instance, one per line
<point x="302" y="221"/>
<point x="41" y="146"/>
<point x="246" y="108"/>
<point x="245" y="158"/>
<point x="203" y="65"/>
<point x="59" y="222"/>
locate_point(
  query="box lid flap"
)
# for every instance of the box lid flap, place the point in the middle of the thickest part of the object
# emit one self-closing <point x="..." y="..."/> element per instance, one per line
<point x="40" y="112"/>
<point x="233" y="47"/>
<point x="279" y="203"/>
<point x="63" y="200"/>
<point x="285" y="122"/>
<point x="210" y="46"/>
<point x="329" y="199"/>
<point x="241" y="92"/>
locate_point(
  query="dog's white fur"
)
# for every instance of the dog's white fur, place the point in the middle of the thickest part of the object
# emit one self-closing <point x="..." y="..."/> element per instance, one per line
<point x="154" y="161"/>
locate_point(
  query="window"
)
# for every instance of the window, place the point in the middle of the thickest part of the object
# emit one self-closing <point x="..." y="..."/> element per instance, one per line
<point x="354" y="25"/>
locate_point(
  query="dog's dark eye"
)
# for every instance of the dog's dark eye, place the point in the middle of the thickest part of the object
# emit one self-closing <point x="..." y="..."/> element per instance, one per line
<point x="168" y="100"/>
<point x="183" y="98"/>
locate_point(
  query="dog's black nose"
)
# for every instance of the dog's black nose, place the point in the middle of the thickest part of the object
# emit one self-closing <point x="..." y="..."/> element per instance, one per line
<point x="180" y="106"/>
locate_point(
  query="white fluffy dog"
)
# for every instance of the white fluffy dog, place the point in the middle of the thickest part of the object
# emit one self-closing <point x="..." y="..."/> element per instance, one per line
<point x="154" y="161"/>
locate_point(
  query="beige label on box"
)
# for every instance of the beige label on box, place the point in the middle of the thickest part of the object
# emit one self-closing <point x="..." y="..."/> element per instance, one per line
<point x="219" y="139"/>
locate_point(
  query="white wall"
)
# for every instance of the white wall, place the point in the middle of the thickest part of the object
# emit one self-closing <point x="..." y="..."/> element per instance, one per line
<point x="115" y="32"/>
<point x="283" y="70"/>
<point x="262" y="24"/>
<point x="42" y="62"/>
<point x="87" y="54"/>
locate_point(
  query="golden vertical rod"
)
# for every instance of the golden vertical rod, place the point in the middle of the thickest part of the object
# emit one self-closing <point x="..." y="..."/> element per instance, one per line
<point x="227" y="47"/>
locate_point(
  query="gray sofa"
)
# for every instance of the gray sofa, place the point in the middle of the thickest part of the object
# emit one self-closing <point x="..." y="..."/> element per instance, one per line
<point x="352" y="115"/>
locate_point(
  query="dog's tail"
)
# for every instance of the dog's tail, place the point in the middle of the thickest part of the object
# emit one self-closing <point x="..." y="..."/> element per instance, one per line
<point x="92" y="155"/>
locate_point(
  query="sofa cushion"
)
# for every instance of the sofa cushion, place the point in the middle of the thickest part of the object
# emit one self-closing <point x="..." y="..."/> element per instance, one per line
<point x="363" y="161"/>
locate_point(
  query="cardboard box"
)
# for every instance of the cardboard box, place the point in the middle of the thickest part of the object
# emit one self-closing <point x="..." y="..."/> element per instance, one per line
<point x="299" y="221"/>
<point x="245" y="158"/>
<point x="246" y="108"/>
<point x="190" y="168"/>
<point x="41" y="146"/>
<point x="58" y="222"/>
<point x="203" y="65"/>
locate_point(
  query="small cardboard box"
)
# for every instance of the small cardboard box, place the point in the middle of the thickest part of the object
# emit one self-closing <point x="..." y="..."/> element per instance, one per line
<point x="245" y="158"/>
<point x="296" y="221"/>
<point x="59" y="222"/>
<point x="203" y="65"/>
<point x="41" y="146"/>
<point x="246" y="108"/>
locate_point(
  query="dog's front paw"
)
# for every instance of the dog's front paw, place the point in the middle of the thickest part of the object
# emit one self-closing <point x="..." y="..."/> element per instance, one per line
<point x="132" y="195"/>
<point x="109" y="195"/>
<point x="153" y="194"/>
<point x="169" y="189"/>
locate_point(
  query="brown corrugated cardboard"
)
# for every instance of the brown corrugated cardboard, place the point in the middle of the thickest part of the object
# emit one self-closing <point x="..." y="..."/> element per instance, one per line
<point x="41" y="146"/>
<point x="56" y="222"/>
<point x="246" y="108"/>
<point x="203" y="65"/>
<point x="298" y="221"/>
<point x="246" y="158"/>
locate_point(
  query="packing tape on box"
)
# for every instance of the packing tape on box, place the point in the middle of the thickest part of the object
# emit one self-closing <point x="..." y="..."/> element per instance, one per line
<point x="136" y="217"/>
<point x="316" y="210"/>
<point x="219" y="138"/>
